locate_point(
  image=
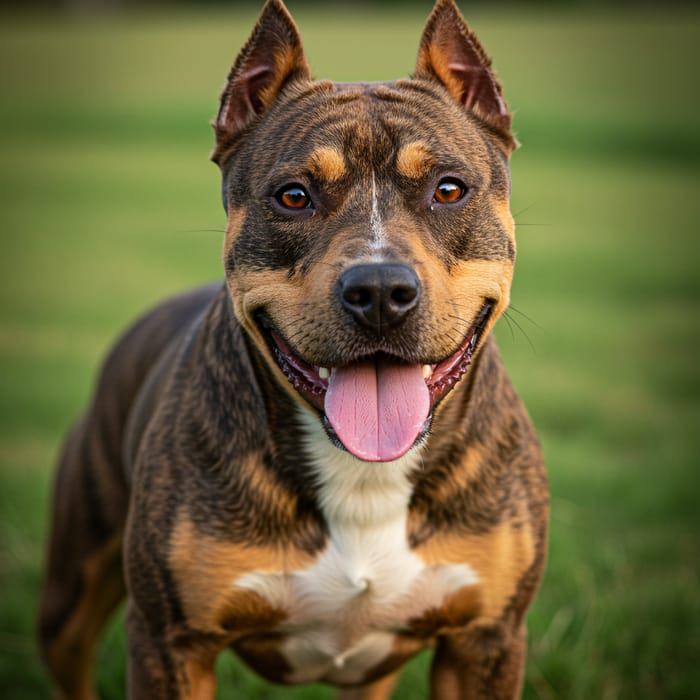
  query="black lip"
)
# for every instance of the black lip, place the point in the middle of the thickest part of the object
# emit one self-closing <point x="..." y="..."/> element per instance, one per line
<point x="300" y="374"/>
<point x="451" y="369"/>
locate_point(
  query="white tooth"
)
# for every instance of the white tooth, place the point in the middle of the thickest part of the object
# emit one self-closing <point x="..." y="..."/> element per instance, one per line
<point x="427" y="371"/>
<point x="324" y="372"/>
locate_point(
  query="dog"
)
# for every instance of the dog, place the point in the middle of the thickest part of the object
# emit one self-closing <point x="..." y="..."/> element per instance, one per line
<point x="319" y="463"/>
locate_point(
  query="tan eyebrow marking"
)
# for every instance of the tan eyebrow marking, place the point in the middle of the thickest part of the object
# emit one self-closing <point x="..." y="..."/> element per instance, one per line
<point x="327" y="163"/>
<point x="414" y="160"/>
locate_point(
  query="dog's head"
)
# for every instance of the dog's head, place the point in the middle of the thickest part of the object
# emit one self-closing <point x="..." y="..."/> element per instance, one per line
<point x="370" y="245"/>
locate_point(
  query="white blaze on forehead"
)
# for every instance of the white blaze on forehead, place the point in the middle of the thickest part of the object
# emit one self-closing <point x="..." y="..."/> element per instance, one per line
<point x="377" y="234"/>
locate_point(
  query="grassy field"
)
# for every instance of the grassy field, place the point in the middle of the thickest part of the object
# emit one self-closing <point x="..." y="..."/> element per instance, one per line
<point x="108" y="202"/>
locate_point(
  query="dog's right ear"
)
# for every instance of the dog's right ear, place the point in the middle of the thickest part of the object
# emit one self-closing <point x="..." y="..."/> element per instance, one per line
<point x="451" y="53"/>
<point x="272" y="57"/>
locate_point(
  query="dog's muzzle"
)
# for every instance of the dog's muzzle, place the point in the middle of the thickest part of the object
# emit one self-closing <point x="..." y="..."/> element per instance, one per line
<point x="377" y="405"/>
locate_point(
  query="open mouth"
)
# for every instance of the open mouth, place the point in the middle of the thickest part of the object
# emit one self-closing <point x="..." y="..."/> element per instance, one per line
<point x="378" y="406"/>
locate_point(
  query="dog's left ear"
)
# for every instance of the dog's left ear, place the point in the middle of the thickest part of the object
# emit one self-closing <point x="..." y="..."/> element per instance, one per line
<point x="450" y="52"/>
<point x="272" y="57"/>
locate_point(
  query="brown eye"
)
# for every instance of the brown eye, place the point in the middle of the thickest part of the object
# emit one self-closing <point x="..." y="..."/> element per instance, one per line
<point x="293" y="197"/>
<point x="449" y="191"/>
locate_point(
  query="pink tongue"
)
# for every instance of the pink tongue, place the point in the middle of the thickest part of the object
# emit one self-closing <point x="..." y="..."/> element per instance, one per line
<point x="377" y="408"/>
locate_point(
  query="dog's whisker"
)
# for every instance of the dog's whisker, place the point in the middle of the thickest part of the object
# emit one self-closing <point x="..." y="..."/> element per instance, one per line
<point x="509" y="323"/>
<point x="523" y="210"/>
<point x="526" y="317"/>
<point x="458" y="318"/>
<point x="333" y="266"/>
<point x="510" y="319"/>
<point x="456" y="305"/>
<point x="203" y="230"/>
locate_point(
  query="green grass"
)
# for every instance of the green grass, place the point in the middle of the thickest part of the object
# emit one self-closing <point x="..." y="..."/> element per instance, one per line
<point x="107" y="201"/>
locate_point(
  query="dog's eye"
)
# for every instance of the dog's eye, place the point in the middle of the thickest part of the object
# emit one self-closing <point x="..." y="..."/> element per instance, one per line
<point x="293" y="197"/>
<point x="449" y="191"/>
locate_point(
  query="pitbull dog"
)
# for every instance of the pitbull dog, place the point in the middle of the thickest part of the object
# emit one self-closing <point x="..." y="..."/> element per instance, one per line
<point x="320" y="463"/>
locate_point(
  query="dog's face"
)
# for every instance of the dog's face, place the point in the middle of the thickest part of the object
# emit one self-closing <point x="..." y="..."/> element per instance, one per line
<point x="370" y="245"/>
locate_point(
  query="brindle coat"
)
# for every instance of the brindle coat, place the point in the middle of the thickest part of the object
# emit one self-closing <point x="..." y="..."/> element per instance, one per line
<point x="201" y="484"/>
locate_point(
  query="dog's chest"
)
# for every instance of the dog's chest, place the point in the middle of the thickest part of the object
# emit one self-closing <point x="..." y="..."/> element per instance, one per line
<point x="343" y="611"/>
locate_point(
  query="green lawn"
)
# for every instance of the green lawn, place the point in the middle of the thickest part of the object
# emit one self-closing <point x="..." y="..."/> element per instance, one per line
<point x="108" y="202"/>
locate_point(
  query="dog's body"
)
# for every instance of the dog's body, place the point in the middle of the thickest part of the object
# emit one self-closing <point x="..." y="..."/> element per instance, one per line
<point x="297" y="464"/>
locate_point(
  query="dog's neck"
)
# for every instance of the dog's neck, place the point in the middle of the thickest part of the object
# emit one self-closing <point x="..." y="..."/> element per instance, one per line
<point x="367" y="494"/>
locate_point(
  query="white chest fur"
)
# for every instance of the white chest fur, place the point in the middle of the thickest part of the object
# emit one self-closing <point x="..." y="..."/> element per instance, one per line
<point x="345" y="608"/>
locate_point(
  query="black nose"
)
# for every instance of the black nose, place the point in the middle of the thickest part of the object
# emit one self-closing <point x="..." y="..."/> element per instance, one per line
<point x="379" y="296"/>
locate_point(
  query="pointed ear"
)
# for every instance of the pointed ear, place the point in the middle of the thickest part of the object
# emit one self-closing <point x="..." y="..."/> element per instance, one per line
<point x="450" y="52"/>
<point x="272" y="57"/>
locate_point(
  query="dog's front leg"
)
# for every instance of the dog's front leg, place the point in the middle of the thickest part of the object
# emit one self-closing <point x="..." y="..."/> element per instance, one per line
<point x="379" y="690"/>
<point x="485" y="662"/>
<point x="160" y="671"/>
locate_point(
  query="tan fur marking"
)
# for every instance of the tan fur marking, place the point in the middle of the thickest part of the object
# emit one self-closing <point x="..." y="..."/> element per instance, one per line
<point x="480" y="279"/>
<point x="499" y="557"/>
<point x="414" y="160"/>
<point x="502" y="210"/>
<point x="254" y="289"/>
<point x="271" y="491"/>
<point x="439" y="61"/>
<point x="467" y="468"/>
<point x="462" y="290"/>
<point x="285" y="298"/>
<point x="205" y="569"/>
<point x="286" y="62"/>
<point x="236" y="217"/>
<point x="327" y="164"/>
<point x="70" y="655"/>
<point x="379" y="690"/>
<point x="457" y="611"/>
<point x="201" y="680"/>
<point x="492" y="276"/>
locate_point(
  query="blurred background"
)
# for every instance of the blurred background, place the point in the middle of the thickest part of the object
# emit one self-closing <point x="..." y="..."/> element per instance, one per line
<point x="108" y="203"/>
